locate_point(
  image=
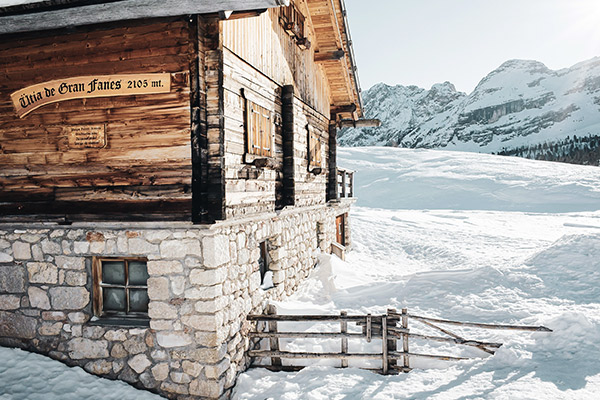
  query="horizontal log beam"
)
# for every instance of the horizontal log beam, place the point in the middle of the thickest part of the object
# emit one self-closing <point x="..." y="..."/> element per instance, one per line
<point x="399" y="354"/>
<point x="347" y="108"/>
<point x="361" y="123"/>
<point x="307" y="335"/>
<point x="329" y="56"/>
<point x="291" y="355"/>
<point x="484" y="326"/>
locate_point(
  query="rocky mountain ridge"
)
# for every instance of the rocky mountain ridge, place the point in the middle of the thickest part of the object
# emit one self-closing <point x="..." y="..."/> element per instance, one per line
<point x="522" y="103"/>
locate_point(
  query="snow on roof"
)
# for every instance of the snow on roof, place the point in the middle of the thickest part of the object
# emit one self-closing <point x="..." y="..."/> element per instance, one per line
<point x="35" y="15"/>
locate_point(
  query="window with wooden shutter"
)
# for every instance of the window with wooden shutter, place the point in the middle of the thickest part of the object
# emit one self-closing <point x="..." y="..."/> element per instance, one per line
<point x="314" y="149"/>
<point x="259" y="130"/>
<point x="293" y="22"/>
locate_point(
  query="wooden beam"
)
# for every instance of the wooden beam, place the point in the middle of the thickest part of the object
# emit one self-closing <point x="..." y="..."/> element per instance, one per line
<point x="287" y="133"/>
<point x="348" y="108"/>
<point x="329" y="55"/>
<point x="361" y="123"/>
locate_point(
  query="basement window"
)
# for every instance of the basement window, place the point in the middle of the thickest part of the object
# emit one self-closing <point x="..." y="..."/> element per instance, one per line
<point x="314" y="151"/>
<point x="259" y="131"/>
<point x="120" y="290"/>
<point x="266" y="275"/>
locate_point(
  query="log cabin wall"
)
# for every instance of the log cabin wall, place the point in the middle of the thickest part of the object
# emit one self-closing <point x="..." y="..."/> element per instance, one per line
<point x="145" y="169"/>
<point x="259" y="59"/>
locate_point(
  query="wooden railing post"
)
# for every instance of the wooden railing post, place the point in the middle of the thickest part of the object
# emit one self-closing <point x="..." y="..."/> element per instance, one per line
<point x="392" y="342"/>
<point x="384" y="343"/>
<point x="273" y="341"/>
<point x="344" y="329"/>
<point x="351" y="185"/>
<point x="368" y="327"/>
<point x="406" y="363"/>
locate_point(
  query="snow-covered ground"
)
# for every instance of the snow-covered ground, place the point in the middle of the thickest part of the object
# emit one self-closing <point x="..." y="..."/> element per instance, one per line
<point x="468" y="237"/>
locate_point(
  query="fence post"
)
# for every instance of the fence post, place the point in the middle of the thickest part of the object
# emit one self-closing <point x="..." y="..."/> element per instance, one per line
<point x="273" y="341"/>
<point x="368" y="328"/>
<point x="344" y="329"/>
<point x="384" y="342"/>
<point x="392" y="344"/>
<point x="406" y="364"/>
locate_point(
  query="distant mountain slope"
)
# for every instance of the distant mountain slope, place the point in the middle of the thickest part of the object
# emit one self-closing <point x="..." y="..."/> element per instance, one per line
<point x="521" y="103"/>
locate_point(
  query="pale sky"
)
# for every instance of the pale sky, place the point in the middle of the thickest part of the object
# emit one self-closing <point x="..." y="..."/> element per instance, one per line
<point x="422" y="42"/>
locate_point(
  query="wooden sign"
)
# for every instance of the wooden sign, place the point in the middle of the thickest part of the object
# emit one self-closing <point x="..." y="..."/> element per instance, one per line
<point x="86" y="136"/>
<point x="33" y="97"/>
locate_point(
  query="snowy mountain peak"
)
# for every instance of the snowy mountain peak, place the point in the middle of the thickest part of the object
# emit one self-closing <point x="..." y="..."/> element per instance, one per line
<point x="521" y="103"/>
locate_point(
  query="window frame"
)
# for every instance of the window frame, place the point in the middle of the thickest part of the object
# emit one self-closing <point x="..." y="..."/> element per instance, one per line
<point x="315" y="158"/>
<point x="98" y="286"/>
<point x="259" y="132"/>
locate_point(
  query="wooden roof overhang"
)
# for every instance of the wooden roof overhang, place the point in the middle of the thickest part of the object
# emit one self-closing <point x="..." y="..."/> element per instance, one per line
<point x="37" y="15"/>
<point x="333" y="50"/>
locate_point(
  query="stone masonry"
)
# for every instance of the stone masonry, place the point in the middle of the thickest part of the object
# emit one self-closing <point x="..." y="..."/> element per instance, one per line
<point x="203" y="282"/>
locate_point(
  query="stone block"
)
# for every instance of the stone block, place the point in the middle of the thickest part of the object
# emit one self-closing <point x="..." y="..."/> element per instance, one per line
<point x="191" y="368"/>
<point x="42" y="272"/>
<point x="208" y="277"/>
<point x="160" y="267"/>
<point x="78" y="317"/>
<point x="80" y="348"/>
<point x="174" y="388"/>
<point x="173" y="339"/>
<point x="135" y="346"/>
<point x="215" y="250"/>
<point x="21" y="250"/>
<point x="17" y="326"/>
<point x="38" y="298"/>
<point x="119" y="335"/>
<point x="81" y="247"/>
<point x="204" y="292"/>
<point x="77" y="263"/>
<point x="180" y="248"/>
<point x="142" y="247"/>
<point x="9" y="302"/>
<point x="49" y="247"/>
<point x="200" y="322"/>
<point x="99" y="367"/>
<point x="5" y="257"/>
<point x="158" y="288"/>
<point x="69" y="298"/>
<point x="161" y="324"/>
<point x="160" y="371"/>
<point x="12" y="279"/>
<point x="180" y="377"/>
<point x="51" y="329"/>
<point x="204" y="388"/>
<point x="118" y="351"/>
<point x="139" y="363"/>
<point x="177" y="285"/>
<point x="160" y="310"/>
<point x="76" y="278"/>
<point x="54" y="316"/>
<point x="215" y="371"/>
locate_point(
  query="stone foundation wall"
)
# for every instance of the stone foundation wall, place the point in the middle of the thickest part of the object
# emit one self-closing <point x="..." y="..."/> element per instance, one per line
<point x="203" y="282"/>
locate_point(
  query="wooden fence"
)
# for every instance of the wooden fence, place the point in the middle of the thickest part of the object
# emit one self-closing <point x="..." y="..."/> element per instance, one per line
<point x="391" y="328"/>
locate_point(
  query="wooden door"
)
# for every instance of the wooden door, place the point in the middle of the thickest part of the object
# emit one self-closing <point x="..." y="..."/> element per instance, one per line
<point x="340" y="234"/>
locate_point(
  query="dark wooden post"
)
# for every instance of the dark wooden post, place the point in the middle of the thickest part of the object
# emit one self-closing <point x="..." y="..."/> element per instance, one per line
<point x="273" y="341"/>
<point x="384" y="343"/>
<point x="392" y="346"/>
<point x="344" y="329"/>
<point x="332" y="183"/>
<point x="287" y="133"/>
<point x="406" y="364"/>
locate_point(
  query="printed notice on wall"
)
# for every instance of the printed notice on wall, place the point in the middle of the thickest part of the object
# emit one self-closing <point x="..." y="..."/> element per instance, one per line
<point x="86" y="136"/>
<point x="32" y="97"/>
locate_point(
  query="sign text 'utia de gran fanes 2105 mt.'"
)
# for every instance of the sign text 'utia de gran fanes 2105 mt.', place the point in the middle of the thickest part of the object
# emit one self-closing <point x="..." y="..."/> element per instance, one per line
<point x="35" y="96"/>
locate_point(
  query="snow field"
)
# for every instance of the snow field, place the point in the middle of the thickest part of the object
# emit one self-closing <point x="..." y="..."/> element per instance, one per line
<point x="521" y="259"/>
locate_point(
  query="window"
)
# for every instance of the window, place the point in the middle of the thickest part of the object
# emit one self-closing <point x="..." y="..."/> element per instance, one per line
<point x="120" y="289"/>
<point x="259" y="130"/>
<point x="266" y="276"/>
<point x="292" y="21"/>
<point x="314" y="149"/>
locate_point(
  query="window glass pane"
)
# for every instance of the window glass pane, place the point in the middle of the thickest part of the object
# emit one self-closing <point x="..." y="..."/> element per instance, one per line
<point x="114" y="300"/>
<point x="138" y="273"/>
<point x="138" y="300"/>
<point x="113" y="272"/>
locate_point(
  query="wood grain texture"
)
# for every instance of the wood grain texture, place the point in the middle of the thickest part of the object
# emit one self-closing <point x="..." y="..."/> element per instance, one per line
<point x="145" y="167"/>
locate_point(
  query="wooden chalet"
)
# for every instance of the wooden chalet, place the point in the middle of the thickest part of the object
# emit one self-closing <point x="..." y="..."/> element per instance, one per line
<point x="166" y="168"/>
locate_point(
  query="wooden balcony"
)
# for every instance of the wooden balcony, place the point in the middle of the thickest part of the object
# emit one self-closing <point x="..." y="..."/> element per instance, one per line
<point x="345" y="179"/>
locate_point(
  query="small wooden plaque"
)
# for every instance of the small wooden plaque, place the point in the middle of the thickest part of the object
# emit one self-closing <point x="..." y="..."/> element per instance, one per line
<point x="86" y="136"/>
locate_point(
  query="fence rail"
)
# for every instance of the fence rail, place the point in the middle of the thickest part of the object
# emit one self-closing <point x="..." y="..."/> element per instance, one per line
<point x="391" y="328"/>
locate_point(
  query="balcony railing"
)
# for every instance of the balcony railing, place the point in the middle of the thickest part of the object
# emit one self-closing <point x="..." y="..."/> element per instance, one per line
<point x="345" y="181"/>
